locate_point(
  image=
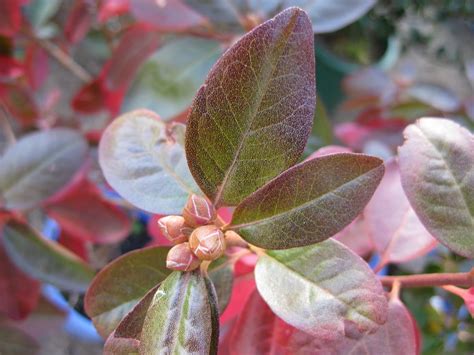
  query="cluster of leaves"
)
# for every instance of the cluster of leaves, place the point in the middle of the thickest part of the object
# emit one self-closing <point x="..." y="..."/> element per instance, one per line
<point x="275" y="290"/>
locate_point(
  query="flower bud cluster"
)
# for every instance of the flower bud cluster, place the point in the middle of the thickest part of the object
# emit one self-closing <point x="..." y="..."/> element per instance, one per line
<point x="195" y="235"/>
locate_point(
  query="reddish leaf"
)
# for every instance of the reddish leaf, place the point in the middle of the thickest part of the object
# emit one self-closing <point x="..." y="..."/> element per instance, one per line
<point x="20" y="102"/>
<point x="242" y="288"/>
<point x="397" y="233"/>
<point x="73" y="244"/>
<point x="36" y="66"/>
<point x="10" y="69"/>
<point x="78" y="22"/>
<point x="18" y="292"/>
<point x="166" y="16"/>
<point x="112" y="8"/>
<point x="356" y="237"/>
<point x="86" y="215"/>
<point x="10" y="16"/>
<point x="91" y="98"/>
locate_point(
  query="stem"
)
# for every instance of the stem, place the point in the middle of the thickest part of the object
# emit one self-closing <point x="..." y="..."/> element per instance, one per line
<point x="62" y="57"/>
<point x="463" y="279"/>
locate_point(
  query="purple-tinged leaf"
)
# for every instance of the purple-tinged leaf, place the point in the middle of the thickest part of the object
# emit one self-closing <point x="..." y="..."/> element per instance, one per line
<point x="437" y="171"/>
<point x="356" y="237"/>
<point x="310" y="202"/>
<point x="144" y="161"/>
<point x="14" y="341"/>
<point x="182" y="317"/>
<point x="39" y="165"/>
<point x="251" y="118"/>
<point x="436" y="96"/>
<point x="121" y="284"/>
<point x="325" y="290"/>
<point x="395" y="229"/>
<point x="45" y="260"/>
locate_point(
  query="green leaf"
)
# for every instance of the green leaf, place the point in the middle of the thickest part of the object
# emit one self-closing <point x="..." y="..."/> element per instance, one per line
<point x="144" y="161"/>
<point x="122" y="284"/>
<point x="45" y="260"/>
<point x="39" y="165"/>
<point x="310" y="202"/>
<point x="182" y="317"/>
<point x="16" y="342"/>
<point x="324" y="290"/>
<point x="437" y="170"/>
<point x="251" y="118"/>
<point x="222" y="277"/>
<point x="169" y="79"/>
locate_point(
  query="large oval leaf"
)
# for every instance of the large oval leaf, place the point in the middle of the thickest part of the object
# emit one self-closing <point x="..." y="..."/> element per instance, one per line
<point x="251" y="119"/>
<point x="144" y="161"/>
<point x="310" y="202"/>
<point x="182" y="317"/>
<point x="121" y="284"/>
<point x="169" y="79"/>
<point x="45" y="260"/>
<point x="324" y="290"/>
<point x="396" y="231"/>
<point x="39" y="165"/>
<point x="437" y="170"/>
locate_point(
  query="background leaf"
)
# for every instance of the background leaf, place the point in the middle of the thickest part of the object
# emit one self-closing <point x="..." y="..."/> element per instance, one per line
<point x="396" y="231"/>
<point x="39" y="165"/>
<point x="437" y="170"/>
<point x="181" y="318"/>
<point x="169" y="79"/>
<point x="45" y="260"/>
<point x="257" y="99"/>
<point x="222" y="276"/>
<point x="309" y="202"/>
<point x="324" y="290"/>
<point x="121" y="284"/>
<point x="15" y="342"/>
<point x="144" y="161"/>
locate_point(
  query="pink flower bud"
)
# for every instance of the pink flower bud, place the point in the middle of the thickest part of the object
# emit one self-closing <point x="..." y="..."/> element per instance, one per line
<point x="172" y="228"/>
<point x="181" y="258"/>
<point x="198" y="211"/>
<point x="207" y="242"/>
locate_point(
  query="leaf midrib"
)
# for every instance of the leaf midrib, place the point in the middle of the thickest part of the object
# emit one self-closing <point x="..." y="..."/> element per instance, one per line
<point x="299" y="207"/>
<point x="262" y="90"/>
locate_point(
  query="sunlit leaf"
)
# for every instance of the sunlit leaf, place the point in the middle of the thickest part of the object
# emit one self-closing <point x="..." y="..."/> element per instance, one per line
<point x="437" y="171"/>
<point x="310" y="202"/>
<point x="16" y="342"/>
<point x="324" y="290"/>
<point x="252" y="117"/>
<point x="86" y="215"/>
<point x="121" y="284"/>
<point x="396" y="231"/>
<point x="39" y="165"/>
<point x="169" y="79"/>
<point x="144" y="161"/>
<point x="182" y="318"/>
<point x="45" y="260"/>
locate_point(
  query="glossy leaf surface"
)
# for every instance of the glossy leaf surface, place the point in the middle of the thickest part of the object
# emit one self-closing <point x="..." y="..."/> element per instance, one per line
<point x="45" y="260"/>
<point x="396" y="231"/>
<point x="182" y="317"/>
<point x="39" y="165"/>
<point x="169" y="79"/>
<point x="437" y="170"/>
<point x="121" y="284"/>
<point x="144" y="161"/>
<point x="251" y="119"/>
<point x="309" y="202"/>
<point x="324" y="290"/>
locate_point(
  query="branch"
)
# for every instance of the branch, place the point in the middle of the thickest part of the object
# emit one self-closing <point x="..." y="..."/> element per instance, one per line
<point x="463" y="279"/>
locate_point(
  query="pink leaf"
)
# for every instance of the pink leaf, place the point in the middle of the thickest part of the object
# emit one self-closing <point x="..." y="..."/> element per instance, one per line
<point x="112" y="8"/>
<point x="356" y="237"/>
<point x="242" y="288"/>
<point x="10" y="17"/>
<point x="78" y="22"/>
<point x="36" y="65"/>
<point x="86" y="215"/>
<point x="397" y="233"/>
